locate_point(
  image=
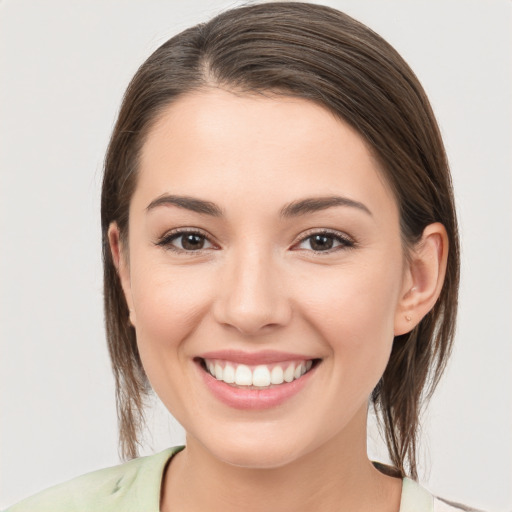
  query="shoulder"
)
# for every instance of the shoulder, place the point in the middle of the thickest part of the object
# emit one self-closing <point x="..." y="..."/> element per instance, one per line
<point x="442" y="505"/>
<point x="122" y="487"/>
<point x="416" y="498"/>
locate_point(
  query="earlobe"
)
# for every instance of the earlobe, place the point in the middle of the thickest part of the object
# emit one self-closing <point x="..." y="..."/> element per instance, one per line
<point x="119" y="257"/>
<point x="425" y="277"/>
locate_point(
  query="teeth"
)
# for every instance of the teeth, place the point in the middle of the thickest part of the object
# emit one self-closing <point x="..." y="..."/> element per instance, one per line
<point x="229" y="374"/>
<point x="289" y="373"/>
<point x="260" y="376"/>
<point x="277" y="375"/>
<point x="243" y="375"/>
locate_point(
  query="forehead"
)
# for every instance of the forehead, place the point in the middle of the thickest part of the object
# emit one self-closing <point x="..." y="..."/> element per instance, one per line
<point x="216" y="143"/>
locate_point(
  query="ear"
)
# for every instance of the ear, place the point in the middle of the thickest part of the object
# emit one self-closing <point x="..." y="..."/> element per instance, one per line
<point x="423" y="278"/>
<point x="120" y="258"/>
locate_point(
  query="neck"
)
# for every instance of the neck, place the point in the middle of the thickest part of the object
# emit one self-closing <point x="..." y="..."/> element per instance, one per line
<point x="336" y="476"/>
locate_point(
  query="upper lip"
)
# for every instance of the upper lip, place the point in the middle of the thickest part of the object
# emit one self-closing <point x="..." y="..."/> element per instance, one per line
<point x="253" y="358"/>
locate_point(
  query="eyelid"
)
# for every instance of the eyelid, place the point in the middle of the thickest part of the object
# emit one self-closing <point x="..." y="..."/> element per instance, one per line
<point x="165" y="241"/>
<point x="346" y="241"/>
<point x="169" y="236"/>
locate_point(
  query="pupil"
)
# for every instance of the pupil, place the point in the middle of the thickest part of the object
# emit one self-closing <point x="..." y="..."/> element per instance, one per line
<point x="192" y="242"/>
<point x="321" y="242"/>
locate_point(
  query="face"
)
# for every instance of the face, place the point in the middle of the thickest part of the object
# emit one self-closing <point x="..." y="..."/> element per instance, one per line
<point x="264" y="273"/>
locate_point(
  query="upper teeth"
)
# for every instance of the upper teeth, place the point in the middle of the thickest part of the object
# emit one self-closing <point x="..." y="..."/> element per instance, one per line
<point x="261" y="376"/>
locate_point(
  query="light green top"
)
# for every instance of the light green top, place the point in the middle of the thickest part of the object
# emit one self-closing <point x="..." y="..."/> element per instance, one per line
<point x="135" y="487"/>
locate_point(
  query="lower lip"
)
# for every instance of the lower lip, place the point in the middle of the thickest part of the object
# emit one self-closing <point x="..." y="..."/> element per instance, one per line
<point x="255" y="399"/>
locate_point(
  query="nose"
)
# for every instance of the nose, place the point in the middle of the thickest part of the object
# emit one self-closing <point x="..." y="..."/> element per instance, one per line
<point x="252" y="297"/>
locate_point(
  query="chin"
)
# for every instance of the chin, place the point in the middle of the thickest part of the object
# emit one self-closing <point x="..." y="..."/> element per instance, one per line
<point x="262" y="457"/>
<point x="255" y="452"/>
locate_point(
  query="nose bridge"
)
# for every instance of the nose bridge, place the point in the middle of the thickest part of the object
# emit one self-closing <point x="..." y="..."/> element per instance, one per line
<point x="253" y="295"/>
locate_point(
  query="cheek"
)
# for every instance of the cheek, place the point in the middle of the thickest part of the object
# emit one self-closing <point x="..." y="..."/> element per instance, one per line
<point x="169" y="304"/>
<point x="354" y="310"/>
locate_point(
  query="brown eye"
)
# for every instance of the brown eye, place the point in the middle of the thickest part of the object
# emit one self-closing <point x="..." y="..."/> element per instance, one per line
<point x="192" y="242"/>
<point x="185" y="241"/>
<point x="321" y="242"/>
<point x="325" y="242"/>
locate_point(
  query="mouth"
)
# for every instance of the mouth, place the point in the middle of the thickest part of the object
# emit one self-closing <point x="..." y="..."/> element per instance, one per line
<point x="258" y="376"/>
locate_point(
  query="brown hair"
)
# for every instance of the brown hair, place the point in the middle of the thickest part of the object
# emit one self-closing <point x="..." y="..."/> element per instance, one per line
<point x="318" y="53"/>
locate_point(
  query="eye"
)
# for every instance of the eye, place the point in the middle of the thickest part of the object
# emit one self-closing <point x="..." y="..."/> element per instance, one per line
<point x="325" y="241"/>
<point x="185" y="241"/>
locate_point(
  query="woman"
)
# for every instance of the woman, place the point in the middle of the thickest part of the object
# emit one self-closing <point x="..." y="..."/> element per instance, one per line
<point x="280" y="250"/>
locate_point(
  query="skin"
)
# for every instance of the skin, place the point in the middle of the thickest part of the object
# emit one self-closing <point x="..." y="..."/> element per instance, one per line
<point x="257" y="284"/>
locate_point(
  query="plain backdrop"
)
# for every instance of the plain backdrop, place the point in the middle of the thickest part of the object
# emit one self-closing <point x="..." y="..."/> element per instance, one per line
<point x="63" y="69"/>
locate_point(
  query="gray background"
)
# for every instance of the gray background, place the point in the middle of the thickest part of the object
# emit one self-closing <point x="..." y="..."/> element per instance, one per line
<point x="63" y="68"/>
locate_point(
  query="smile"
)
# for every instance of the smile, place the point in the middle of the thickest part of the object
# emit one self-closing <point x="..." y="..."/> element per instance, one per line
<point x="256" y="376"/>
<point x="255" y="381"/>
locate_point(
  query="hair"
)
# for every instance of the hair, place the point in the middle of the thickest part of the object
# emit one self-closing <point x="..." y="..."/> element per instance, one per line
<point x="322" y="55"/>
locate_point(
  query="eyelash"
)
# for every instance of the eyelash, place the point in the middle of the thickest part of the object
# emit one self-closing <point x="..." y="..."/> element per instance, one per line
<point x="168" y="238"/>
<point x="344" y="241"/>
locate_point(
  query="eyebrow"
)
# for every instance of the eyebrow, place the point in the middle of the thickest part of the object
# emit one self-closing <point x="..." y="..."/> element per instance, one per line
<point x="315" y="204"/>
<point x="293" y="209"/>
<point x="188" y="203"/>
